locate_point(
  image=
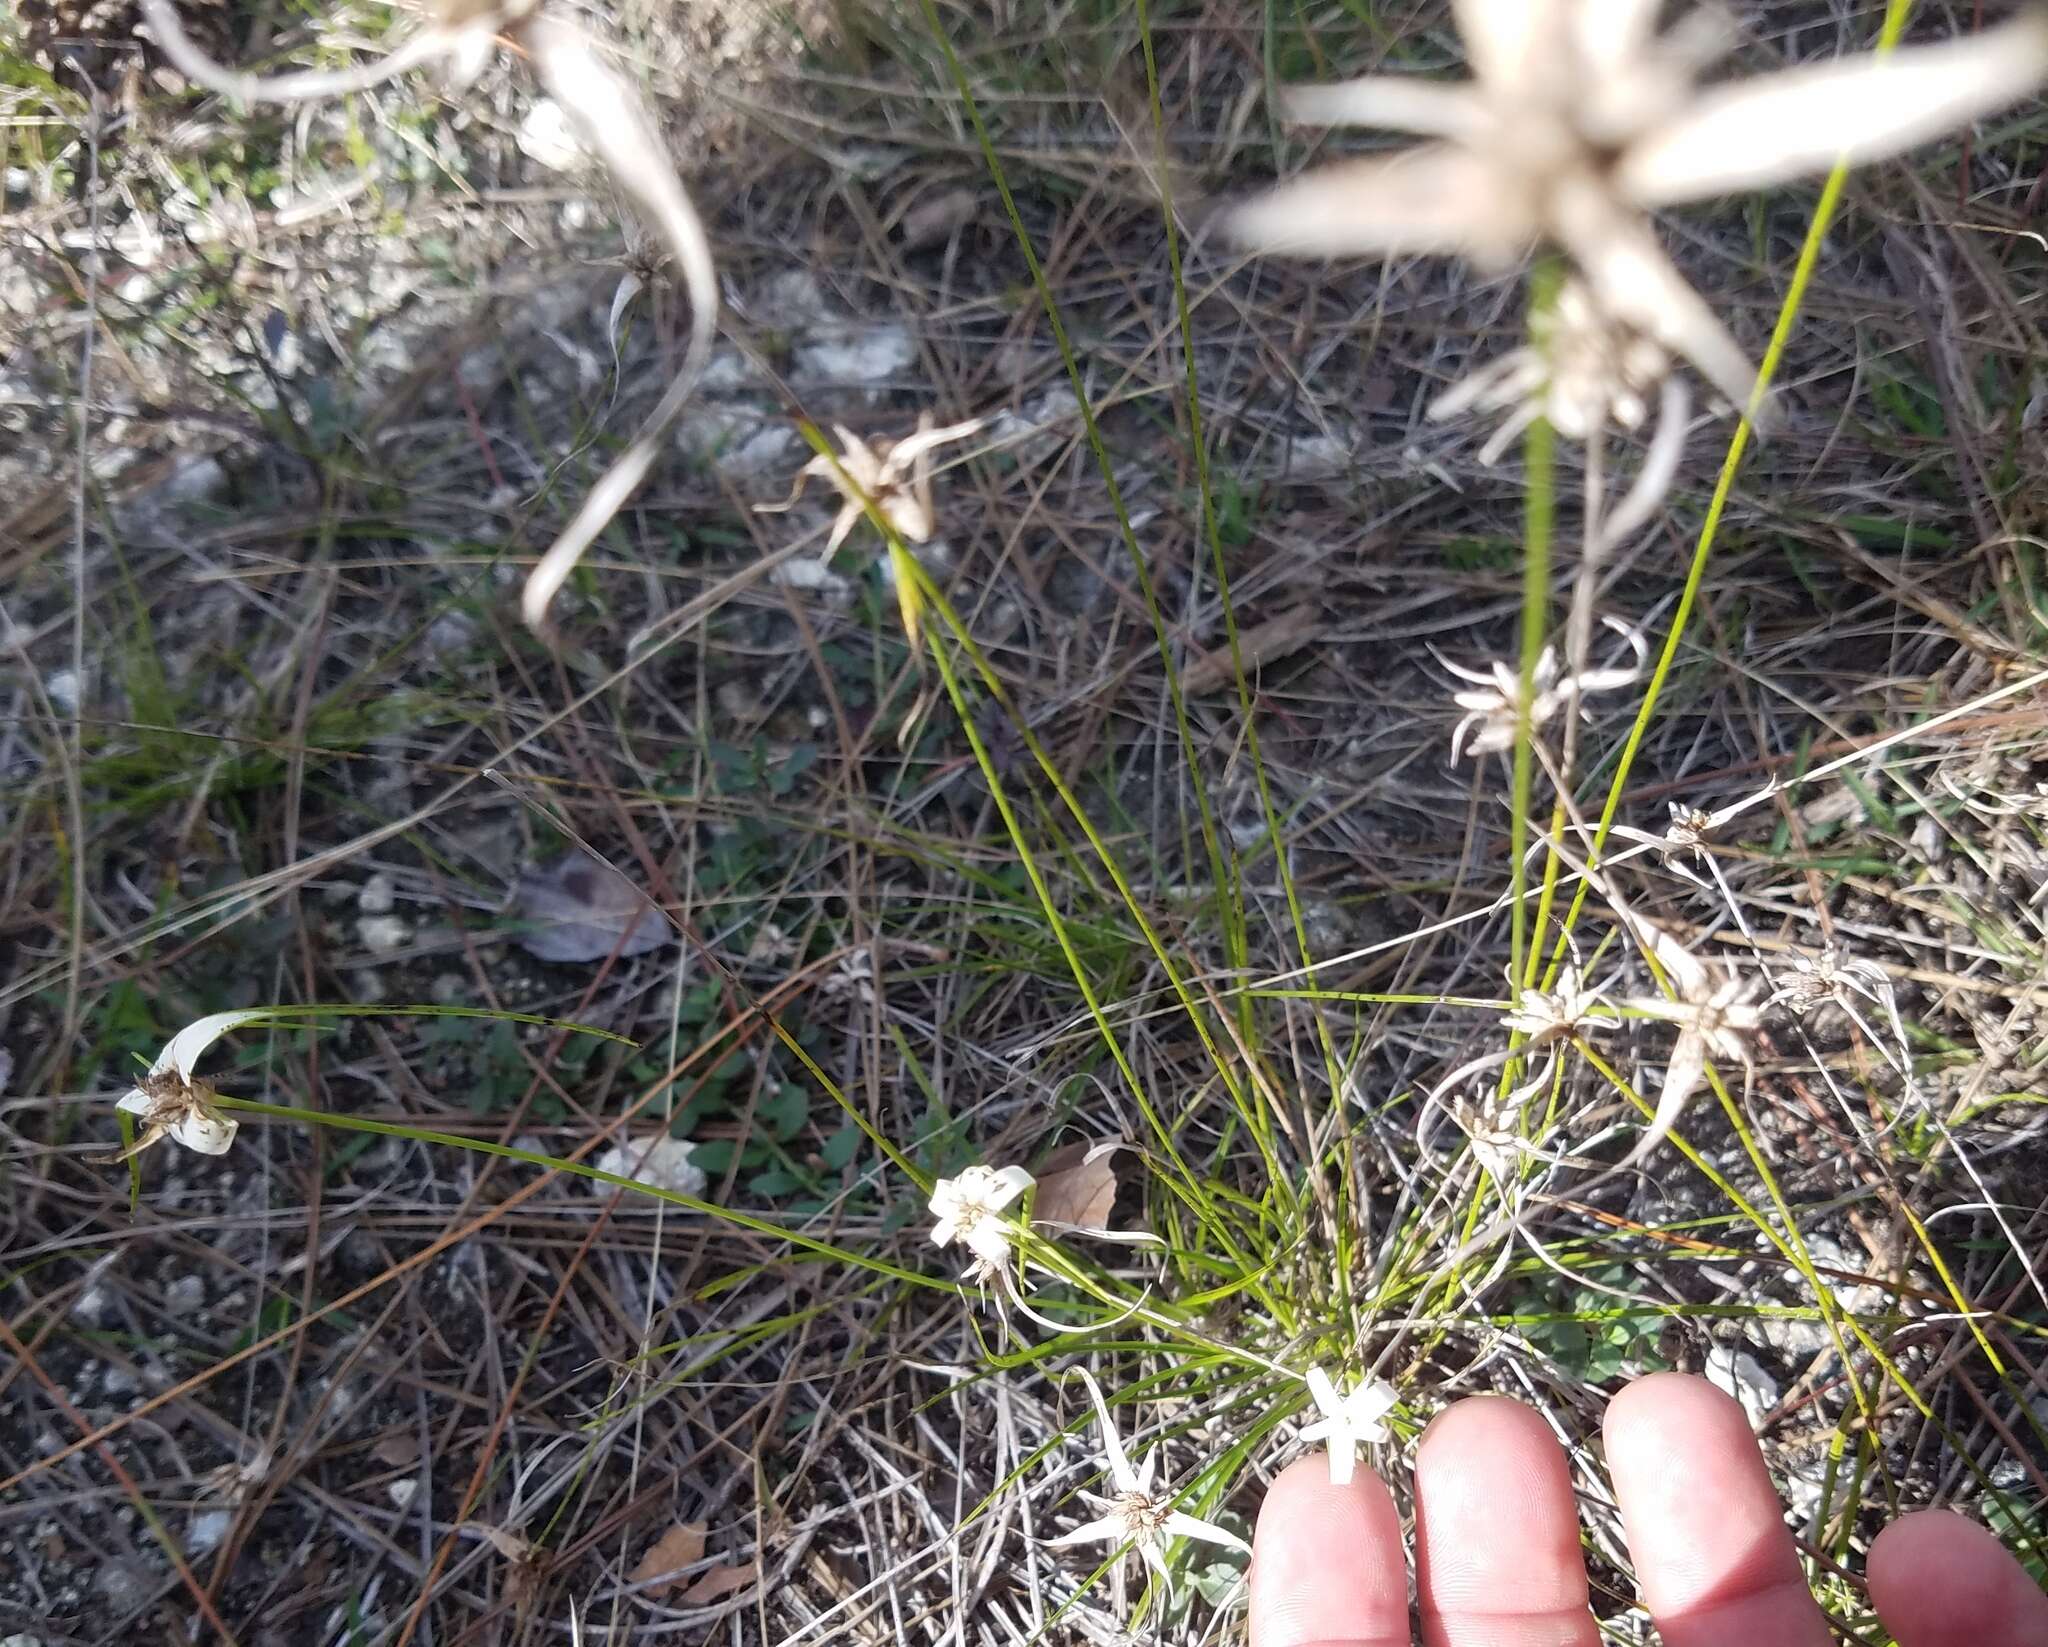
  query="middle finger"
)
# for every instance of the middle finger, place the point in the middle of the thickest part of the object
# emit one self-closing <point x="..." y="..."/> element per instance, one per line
<point x="1497" y="1532"/>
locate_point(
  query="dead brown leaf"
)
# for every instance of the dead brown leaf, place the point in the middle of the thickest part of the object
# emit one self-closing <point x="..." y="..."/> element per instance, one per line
<point x="719" y="1581"/>
<point x="679" y="1547"/>
<point x="1075" y="1190"/>
<point x="579" y="908"/>
<point x="1263" y="643"/>
<point x="396" y="1450"/>
<point x="934" y="217"/>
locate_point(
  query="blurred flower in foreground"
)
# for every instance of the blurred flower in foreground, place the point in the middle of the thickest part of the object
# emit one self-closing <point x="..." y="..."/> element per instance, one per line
<point x="606" y="116"/>
<point x="168" y="1101"/>
<point x="1134" y="1513"/>
<point x="896" y="475"/>
<point x="1581" y="118"/>
<point x="969" y="1209"/>
<point x="1347" y="1420"/>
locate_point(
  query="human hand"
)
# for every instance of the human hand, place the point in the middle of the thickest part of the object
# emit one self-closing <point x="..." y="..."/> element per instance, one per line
<point x="1497" y="1543"/>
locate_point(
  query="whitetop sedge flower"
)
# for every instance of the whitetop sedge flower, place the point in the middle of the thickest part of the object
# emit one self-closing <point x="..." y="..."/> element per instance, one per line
<point x="1580" y="119"/>
<point x="1134" y="1512"/>
<point x="1349" y="1419"/>
<point x="1490" y="703"/>
<point x="1685" y="837"/>
<point x="895" y="475"/>
<point x="1583" y="370"/>
<point x="1688" y="829"/>
<point x="1715" y="1011"/>
<point x="969" y="1209"/>
<point x="1544" y="1016"/>
<point x="1830" y="978"/>
<point x="170" y="1102"/>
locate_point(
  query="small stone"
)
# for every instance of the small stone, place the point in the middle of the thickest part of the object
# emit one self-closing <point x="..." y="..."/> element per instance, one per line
<point x="738" y="699"/>
<point x="450" y="634"/>
<point x="808" y="574"/>
<point x="1793" y="1337"/>
<point x="197" y="480"/>
<point x="208" y="1528"/>
<point x="379" y="895"/>
<point x="1736" y="1372"/>
<point x="788" y="299"/>
<point x="185" y="1296"/>
<point x="401" y="1492"/>
<point x="867" y="357"/>
<point x="666" y="1164"/>
<point x="381" y="934"/>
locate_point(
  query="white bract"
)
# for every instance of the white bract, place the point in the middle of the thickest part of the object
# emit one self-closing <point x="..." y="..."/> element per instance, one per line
<point x="1544" y="1016"/>
<point x="1581" y="118"/>
<point x="969" y="1209"/>
<point x="1830" y="978"/>
<point x="169" y="1102"/>
<point x="1348" y="1420"/>
<point x="1715" y="1012"/>
<point x="1583" y="370"/>
<point x="1492" y="701"/>
<point x="1134" y="1512"/>
<point x="894" y="475"/>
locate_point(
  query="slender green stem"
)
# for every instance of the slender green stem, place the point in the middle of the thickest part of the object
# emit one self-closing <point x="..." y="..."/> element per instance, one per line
<point x="1896" y="13"/>
<point x="1540" y="513"/>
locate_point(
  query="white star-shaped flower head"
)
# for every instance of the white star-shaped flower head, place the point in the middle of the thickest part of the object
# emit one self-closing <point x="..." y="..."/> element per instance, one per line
<point x="1580" y="119"/>
<point x="171" y="1103"/>
<point x="1545" y="1016"/>
<point x="1583" y="372"/>
<point x="1134" y="1513"/>
<point x="1831" y="978"/>
<point x="1491" y="704"/>
<point x="1348" y="1420"/>
<point x="969" y="1209"/>
<point x="895" y="475"/>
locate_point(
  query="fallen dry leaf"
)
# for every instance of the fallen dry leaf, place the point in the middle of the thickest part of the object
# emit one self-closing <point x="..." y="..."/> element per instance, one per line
<point x="1074" y="1190"/>
<point x="508" y="1544"/>
<point x="1263" y="643"/>
<point x="396" y="1450"/>
<point x="719" y="1581"/>
<point x="679" y="1547"/>
<point x="934" y="218"/>
<point x="579" y="909"/>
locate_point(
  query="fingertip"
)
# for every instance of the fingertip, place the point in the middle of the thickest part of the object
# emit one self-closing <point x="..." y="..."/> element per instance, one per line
<point x="1648" y="1400"/>
<point x="1327" y="1566"/>
<point x="1484" y="1464"/>
<point x="1940" y="1580"/>
<point x="1714" y="1560"/>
